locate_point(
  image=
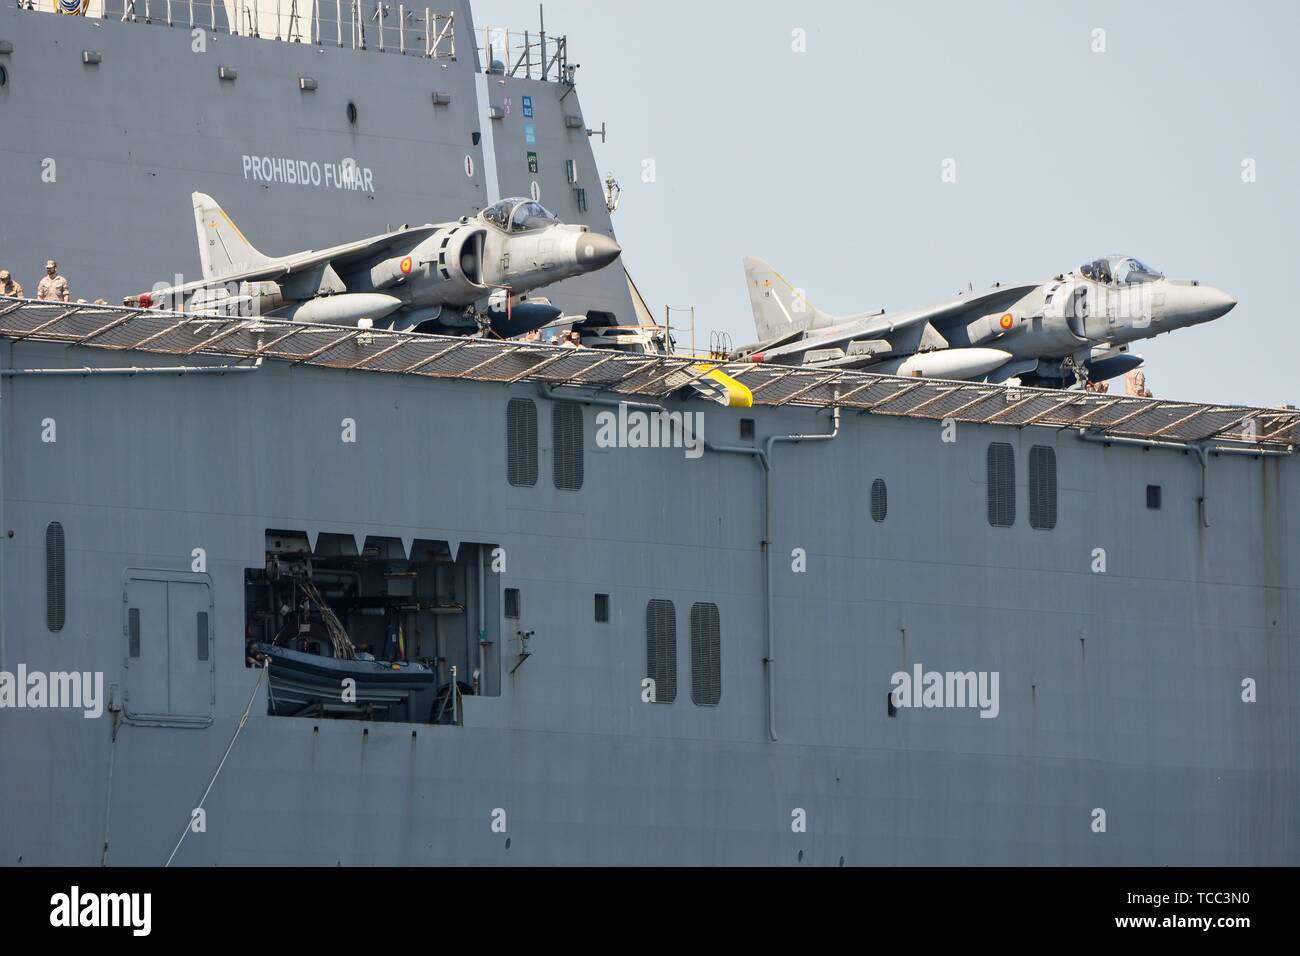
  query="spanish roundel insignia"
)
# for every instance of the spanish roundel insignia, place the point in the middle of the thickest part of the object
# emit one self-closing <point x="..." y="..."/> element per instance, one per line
<point x="405" y="266"/>
<point x="1007" y="320"/>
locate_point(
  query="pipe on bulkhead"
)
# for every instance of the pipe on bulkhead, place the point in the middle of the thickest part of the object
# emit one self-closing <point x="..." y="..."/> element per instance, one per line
<point x="1201" y="450"/>
<point x="764" y="456"/>
<point x="134" y="370"/>
<point x="1203" y="502"/>
<point x="583" y="398"/>
<point x="482" y="621"/>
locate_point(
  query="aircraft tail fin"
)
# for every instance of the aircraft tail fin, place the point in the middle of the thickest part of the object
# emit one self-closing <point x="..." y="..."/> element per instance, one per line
<point x="223" y="250"/>
<point x="779" y="308"/>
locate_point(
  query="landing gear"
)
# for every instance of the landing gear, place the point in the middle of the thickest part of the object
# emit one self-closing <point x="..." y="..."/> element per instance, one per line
<point x="1079" y="370"/>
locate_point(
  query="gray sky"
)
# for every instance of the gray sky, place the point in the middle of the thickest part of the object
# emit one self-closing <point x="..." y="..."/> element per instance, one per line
<point x="827" y="163"/>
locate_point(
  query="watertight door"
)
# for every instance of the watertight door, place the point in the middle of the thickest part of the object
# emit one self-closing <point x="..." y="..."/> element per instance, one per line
<point x="189" y="658"/>
<point x="145" y="673"/>
<point x="168" y="664"/>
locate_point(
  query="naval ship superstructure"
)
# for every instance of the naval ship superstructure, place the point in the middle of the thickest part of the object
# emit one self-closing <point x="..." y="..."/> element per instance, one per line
<point x="340" y="120"/>
<point x="591" y="616"/>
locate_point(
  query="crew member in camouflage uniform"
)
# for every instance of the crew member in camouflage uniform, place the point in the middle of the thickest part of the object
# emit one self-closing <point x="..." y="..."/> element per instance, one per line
<point x="9" y="285"/>
<point x="53" y="286"/>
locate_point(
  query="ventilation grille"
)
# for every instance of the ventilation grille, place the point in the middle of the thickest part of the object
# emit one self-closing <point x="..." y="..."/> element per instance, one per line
<point x="56" y="585"/>
<point x="566" y="439"/>
<point x="661" y="649"/>
<point x="706" y="655"/>
<point x="521" y="442"/>
<point x="1002" y="485"/>
<point x="1042" y="487"/>
<point x="879" y="500"/>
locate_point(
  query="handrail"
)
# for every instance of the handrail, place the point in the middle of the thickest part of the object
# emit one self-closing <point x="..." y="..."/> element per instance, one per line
<point x="514" y="51"/>
<point x="642" y="377"/>
<point x="416" y="32"/>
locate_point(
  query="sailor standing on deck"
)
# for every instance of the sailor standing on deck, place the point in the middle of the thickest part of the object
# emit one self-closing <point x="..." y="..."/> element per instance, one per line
<point x="9" y="286"/>
<point x="53" y="286"/>
<point x="1135" y="382"/>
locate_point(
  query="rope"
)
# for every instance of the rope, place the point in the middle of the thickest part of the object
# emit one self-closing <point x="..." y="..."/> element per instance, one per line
<point x="343" y="648"/>
<point x="242" y="720"/>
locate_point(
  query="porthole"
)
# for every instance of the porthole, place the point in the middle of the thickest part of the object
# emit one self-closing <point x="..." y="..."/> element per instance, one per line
<point x="352" y="112"/>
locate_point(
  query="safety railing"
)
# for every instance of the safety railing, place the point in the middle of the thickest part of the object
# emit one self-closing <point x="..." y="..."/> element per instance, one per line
<point x="524" y="53"/>
<point x="408" y="29"/>
<point x="1275" y="430"/>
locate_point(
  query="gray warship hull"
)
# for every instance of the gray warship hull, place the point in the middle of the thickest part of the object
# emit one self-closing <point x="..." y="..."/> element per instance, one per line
<point x="1121" y="689"/>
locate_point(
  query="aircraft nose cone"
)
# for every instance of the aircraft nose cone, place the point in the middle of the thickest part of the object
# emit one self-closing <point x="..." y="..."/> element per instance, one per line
<point x="596" y="251"/>
<point x="1194" y="304"/>
<point x="1216" y="302"/>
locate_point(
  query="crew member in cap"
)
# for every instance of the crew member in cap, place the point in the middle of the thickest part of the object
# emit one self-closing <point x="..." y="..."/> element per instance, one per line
<point x="9" y="285"/>
<point x="53" y="286"/>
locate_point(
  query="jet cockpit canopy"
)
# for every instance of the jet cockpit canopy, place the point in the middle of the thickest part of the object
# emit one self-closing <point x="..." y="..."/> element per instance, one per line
<point x="518" y="214"/>
<point x="1119" y="270"/>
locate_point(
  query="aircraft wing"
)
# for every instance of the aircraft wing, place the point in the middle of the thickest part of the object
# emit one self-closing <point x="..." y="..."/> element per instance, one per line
<point x="343" y="255"/>
<point x="277" y="270"/>
<point x="963" y="308"/>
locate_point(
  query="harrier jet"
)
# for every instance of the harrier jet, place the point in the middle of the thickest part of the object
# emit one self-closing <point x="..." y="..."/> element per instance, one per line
<point x="1051" y="333"/>
<point x="471" y="275"/>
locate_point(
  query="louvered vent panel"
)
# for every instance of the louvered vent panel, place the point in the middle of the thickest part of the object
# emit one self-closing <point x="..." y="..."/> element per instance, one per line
<point x="56" y="585"/>
<point x="1042" y="487"/>
<point x="661" y="649"/>
<point x="706" y="655"/>
<point x="521" y="442"/>
<point x="566" y="435"/>
<point x="1002" y="485"/>
<point x="879" y="500"/>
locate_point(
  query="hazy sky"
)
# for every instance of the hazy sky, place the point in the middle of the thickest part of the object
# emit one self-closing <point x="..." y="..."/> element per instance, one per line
<point x="827" y="163"/>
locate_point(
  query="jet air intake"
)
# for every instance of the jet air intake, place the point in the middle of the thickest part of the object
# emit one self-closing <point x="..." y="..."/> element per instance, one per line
<point x="459" y="264"/>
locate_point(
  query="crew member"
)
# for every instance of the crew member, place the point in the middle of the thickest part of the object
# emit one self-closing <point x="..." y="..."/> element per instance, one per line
<point x="53" y="286"/>
<point x="9" y="286"/>
<point x="1136" y="384"/>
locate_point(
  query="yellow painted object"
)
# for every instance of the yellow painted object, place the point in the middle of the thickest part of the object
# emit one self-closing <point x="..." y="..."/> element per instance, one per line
<point x="722" y="388"/>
